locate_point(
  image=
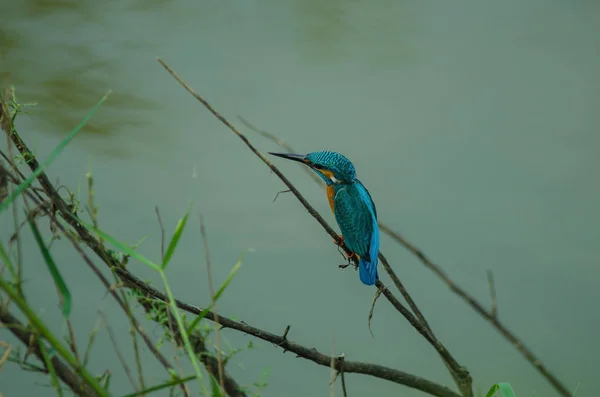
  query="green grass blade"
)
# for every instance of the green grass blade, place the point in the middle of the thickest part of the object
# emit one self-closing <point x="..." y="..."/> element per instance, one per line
<point x="51" y="369"/>
<point x="63" y="290"/>
<point x="162" y="386"/>
<point x="175" y="240"/>
<point x="220" y="291"/>
<point x="504" y="388"/>
<point x="216" y="390"/>
<point x="19" y="189"/>
<point x="121" y="246"/>
<point x="492" y="391"/>
<point x="6" y="260"/>
<point x="236" y="267"/>
<point x="182" y="330"/>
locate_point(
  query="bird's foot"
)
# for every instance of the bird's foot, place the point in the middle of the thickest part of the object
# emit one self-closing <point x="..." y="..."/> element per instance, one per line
<point x="350" y="258"/>
<point x="339" y="241"/>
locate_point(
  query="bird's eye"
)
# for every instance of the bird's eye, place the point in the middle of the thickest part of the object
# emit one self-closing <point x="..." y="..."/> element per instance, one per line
<point x="318" y="166"/>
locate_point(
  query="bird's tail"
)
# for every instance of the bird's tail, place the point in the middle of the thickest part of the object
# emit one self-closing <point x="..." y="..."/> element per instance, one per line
<point x="367" y="271"/>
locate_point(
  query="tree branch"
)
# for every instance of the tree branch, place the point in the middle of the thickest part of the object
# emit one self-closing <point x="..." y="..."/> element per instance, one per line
<point x="375" y="370"/>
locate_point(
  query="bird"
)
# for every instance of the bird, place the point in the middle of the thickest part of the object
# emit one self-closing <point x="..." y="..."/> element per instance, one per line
<point x="351" y="204"/>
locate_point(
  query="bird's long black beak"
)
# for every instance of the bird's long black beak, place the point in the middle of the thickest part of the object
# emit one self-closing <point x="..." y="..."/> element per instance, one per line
<point x="290" y="156"/>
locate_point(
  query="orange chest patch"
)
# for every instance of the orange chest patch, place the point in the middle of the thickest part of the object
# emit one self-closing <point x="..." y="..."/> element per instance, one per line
<point x="330" y="196"/>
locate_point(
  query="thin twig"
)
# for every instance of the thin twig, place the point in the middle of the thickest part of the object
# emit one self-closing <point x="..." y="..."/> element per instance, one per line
<point x="494" y="311"/>
<point x="5" y="356"/>
<point x="113" y="340"/>
<point x="377" y="295"/>
<point x="212" y="298"/>
<point x="91" y="339"/>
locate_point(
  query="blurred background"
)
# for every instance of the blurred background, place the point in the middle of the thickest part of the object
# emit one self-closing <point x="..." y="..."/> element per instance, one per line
<point x="473" y="124"/>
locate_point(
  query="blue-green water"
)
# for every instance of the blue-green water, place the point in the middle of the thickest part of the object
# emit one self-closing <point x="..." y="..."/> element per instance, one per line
<point x="473" y="124"/>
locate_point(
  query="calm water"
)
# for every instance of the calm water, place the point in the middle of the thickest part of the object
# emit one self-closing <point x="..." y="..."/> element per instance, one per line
<point x="473" y="124"/>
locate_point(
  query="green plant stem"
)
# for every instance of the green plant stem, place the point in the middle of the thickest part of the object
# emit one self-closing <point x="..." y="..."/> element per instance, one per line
<point x="51" y="370"/>
<point x="171" y="383"/>
<point x="54" y="341"/>
<point x="182" y="331"/>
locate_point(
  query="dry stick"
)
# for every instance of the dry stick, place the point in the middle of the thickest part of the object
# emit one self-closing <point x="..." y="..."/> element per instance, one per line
<point x="69" y="377"/>
<point x="491" y="316"/>
<point x="478" y="307"/>
<point x="113" y="340"/>
<point x="421" y="327"/>
<point x="212" y="298"/>
<point x="311" y="354"/>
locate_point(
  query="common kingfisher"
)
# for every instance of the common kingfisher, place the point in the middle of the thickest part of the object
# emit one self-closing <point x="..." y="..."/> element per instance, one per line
<point x="351" y="204"/>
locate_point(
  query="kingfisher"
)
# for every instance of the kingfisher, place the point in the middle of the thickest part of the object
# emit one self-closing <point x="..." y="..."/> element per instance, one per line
<point x="351" y="205"/>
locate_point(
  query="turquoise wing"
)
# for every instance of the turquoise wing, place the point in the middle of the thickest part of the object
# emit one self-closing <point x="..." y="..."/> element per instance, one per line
<point x="354" y="216"/>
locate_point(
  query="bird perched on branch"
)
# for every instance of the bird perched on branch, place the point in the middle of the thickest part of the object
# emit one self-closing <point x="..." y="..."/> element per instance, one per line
<point x="352" y="206"/>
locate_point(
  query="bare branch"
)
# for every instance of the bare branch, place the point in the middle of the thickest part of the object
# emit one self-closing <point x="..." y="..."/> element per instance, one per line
<point x="311" y="354"/>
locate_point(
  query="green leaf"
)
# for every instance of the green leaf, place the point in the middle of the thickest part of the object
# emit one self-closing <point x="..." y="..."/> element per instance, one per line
<point x="174" y="240"/>
<point x="216" y="390"/>
<point x="19" y="189"/>
<point x="504" y="388"/>
<point x="54" y="272"/>
<point x="220" y="291"/>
